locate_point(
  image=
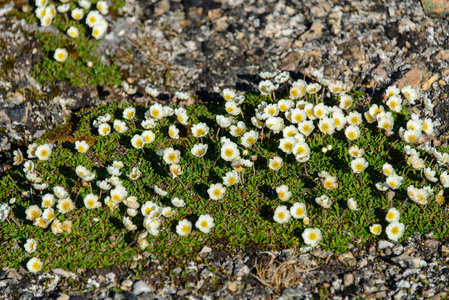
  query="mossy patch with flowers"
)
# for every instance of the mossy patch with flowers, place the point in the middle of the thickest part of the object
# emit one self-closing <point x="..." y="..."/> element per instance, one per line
<point x="298" y="165"/>
<point x="70" y="47"/>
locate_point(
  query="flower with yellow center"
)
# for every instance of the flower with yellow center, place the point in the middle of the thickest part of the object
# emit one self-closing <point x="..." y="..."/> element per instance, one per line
<point x="298" y="210"/>
<point x="375" y="229"/>
<point x="216" y="191"/>
<point x="205" y="223"/>
<point x="395" y="230"/>
<point x="281" y="214"/>
<point x="184" y="227"/>
<point x="312" y="236"/>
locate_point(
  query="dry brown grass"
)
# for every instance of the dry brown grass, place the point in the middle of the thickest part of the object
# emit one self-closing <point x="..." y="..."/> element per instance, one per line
<point x="278" y="275"/>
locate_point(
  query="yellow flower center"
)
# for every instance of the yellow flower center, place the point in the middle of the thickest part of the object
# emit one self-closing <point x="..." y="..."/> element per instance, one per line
<point x="281" y="215"/>
<point x="90" y="203"/>
<point x="65" y="206"/>
<point x="376" y="229"/>
<point x="36" y="265"/>
<point x="395" y="230"/>
<point x="299" y="211"/>
<point x="288" y="146"/>
<point x="35" y="214"/>
<point x="204" y="223"/>
<point x="250" y="140"/>
<point x="172" y="157"/>
<point x="325" y="127"/>
<point x="354" y="120"/>
<point x="44" y="153"/>
<point x="185" y="229"/>
<point x="200" y="152"/>
<point x="200" y="132"/>
<point x="390" y="215"/>
<point x="139" y="143"/>
<point x="359" y="167"/>
<point x="281" y="195"/>
<point x="217" y="192"/>
<point x="275" y="165"/>
<point x="351" y="135"/>
<point x="239" y="131"/>
<point x="283" y="107"/>
<point x="116" y="197"/>
<point x="80" y="148"/>
<point x="232" y="180"/>
<point x="294" y="92"/>
<point x="229" y="152"/>
<point x="313" y="236"/>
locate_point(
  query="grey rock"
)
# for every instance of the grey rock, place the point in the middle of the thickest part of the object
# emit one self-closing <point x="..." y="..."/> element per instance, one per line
<point x="384" y="244"/>
<point x="291" y="294"/>
<point x="406" y="261"/>
<point x="241" y="270"/>
<point x="140" y="287"/>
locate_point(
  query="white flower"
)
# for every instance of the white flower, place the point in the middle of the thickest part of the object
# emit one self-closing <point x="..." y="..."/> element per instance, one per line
<point x="172" y="156"/>
<point x="298" y="89"/>
<point x="91" y="201"/>
<point x="48" y="200"/>
<point x="359" y="165"/>
<point x="430" y="175"/>
<point x="141" y="240"/>
<point x="266" y="87"/>
<point x="33" y="212"/>
<point x="120" y="126"/>
<point x="427" y="103"/>
<point x="182" y="95"/>
<point x="98" y="32"/>
<point x="323" y="201"/>
<point x="392" y="91"/>
<point x="275" y="124"/>
<point x="249" y="138"/>
<point x="281" y="214"/>
<point x="173" y="132"/>
<point x="30" y="246"/>
<point x="352" y="132"/>
<point x="337" y="87"/>
<point x="395" y="230"/>
<point x="393" y="215"/>
<point x="137" y="141"/>
<point x="178" y="202"/>
<point x="355" y="152"/>
<point x="205" y="223"/>
<point x="287" y="144"/>
<point x="175" y="170"/>
<point x="228" y="94"/>
<point x="77" y="13"/>
<point x="199" y="150"/>
<point x="113" y="170"/>
<point x="184" y="227"/>
<point x="394" y="181"/>
<point x="298" y="210"/>
<point x="290" y="131"/>
<point x="444" y="179"/>
<point x="135" y="174"/>
<point x="4" y="211"/>
<point x="148" y="207"/>
<point x="271" y="109"/>
<point x="65" y="205"/>
<point x="160" y="191"/>
<point x="283" y="193"/>
<point x="352" y="204"/>
<point x="223" y="121"/>
<point x="237" y="130"/>
<point x="394" y="103"/>
<point x="73" y="32"/>
<point x="306" y="127"/>
<point x="428" y="126"/>
<point x="167" y="212"/>
<point x="149" y="123"/>
<point x="129" y="225"/>
<point x="83" y="173"/>
<point x="148" y="136"/>
<point x="375" y="229"/>
<point x="275" y="163"/>
<point x="84" y="4"/>
<point x="354" y="118"/>
<point x="131" y="202"/>
<point x="231" y="178"/>
<point x="301" y="149"/>
<point x="282" y="77"/>
<point x="118" y="194"/>
<point x="345" y="101"/>
<point x="183" y="118"/>
<point x="216" y="191"/>
<point x="313" y="88"/>
<point x="104" y="129"/>
<point x="229" y="151"/>
<point x="409" y="94"/>
<point x="43" y="152"/>
<point x="151" y="91"/>
<point x="326" y="125"/>
<point x="388" y="170"/>
<point x="81" y="146"/>
<point x="103" y="7"/>
<point x="267" y="75"/>
<point x="129" y="113"/>
<point x="232" y="108"/>
<point x="321" y="111"/>
<point x="285" y="104"/>
<point x="312" y="236"/>
<point x="34" y="265"/>
<point x="60" y="192"/>
<point x="382" y="186"/>
<point x="200" y="130"/>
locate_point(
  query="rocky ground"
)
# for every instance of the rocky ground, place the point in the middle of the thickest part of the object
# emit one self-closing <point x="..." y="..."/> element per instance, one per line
<point x="202" y="47"/>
